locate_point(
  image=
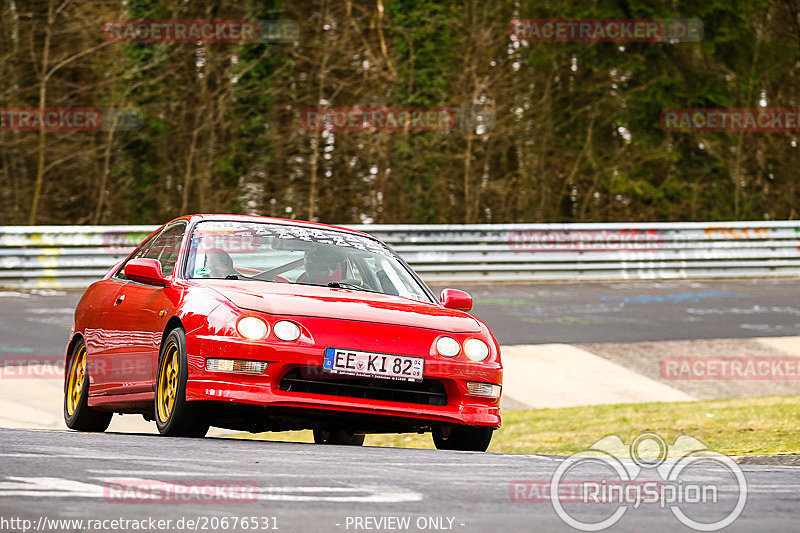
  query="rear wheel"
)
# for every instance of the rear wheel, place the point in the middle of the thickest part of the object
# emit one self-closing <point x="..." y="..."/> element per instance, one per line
<point x="175" y="417"/>
<point x="338" y="436"/>
<point x="77" y="413"/>
<point x="464" y="438"/>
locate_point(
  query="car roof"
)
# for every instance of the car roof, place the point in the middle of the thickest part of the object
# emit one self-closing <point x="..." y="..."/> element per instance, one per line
<point x="269" y="220"/>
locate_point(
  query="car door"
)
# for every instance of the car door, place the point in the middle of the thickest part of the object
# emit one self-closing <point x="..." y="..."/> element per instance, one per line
<point x="138" y="317"/>
<point x="101" y="339"/>
<point x="99" y="298"/>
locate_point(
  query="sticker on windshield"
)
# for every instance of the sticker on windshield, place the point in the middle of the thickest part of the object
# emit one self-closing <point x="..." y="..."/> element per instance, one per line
<point x="202" y="271"/>
<point x="256" y="231"/>
<point x="220" y="225"/>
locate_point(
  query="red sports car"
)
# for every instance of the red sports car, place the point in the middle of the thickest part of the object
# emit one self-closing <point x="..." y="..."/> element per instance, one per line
<point x="261" y="324"/>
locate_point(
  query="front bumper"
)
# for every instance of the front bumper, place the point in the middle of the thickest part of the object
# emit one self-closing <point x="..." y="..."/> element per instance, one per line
<point x="285" y="357"/>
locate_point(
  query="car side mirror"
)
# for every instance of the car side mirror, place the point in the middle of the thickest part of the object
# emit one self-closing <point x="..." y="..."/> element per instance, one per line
<point x="145" y="271"/>
<point x="456" y="299"/>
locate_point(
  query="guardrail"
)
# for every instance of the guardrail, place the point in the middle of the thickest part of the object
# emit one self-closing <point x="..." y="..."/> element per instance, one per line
<point x="74" y="256"/>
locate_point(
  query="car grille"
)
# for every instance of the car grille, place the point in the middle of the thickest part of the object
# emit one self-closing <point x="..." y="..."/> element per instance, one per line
<point x="314" y="381"/>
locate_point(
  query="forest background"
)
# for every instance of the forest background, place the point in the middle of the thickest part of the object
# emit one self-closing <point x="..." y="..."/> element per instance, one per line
<point x="549" y="131"/>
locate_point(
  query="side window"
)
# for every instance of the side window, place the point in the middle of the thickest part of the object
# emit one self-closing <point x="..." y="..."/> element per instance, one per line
<point x="363" y="269"/>
<point x="354" y="272"/>
<point x="139" y="253"/>
<point x="166" y="247"/>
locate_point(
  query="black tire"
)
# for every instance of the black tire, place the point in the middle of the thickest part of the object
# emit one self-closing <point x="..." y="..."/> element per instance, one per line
<point x="338" y="436"/>
<point x="463" y="438"/>
<point x="177" y="417"/>
<point x="77" y="413"/>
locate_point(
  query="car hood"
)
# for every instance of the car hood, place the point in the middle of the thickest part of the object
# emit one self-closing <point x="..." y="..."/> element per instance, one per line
<point x="325" y="302"/>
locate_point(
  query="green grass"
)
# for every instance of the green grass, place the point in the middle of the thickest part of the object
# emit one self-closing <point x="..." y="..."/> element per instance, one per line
<point x="740" y="426"/>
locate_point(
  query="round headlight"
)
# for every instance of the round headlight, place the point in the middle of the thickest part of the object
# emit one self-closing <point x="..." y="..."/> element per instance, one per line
<point x="447" y="346"/>
<point x="252" y="328"/>
<point x="476" y="349"/>
<point x="286" y="331"/>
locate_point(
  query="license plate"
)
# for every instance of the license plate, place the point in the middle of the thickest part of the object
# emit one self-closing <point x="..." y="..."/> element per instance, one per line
<point x="368" y="364"/>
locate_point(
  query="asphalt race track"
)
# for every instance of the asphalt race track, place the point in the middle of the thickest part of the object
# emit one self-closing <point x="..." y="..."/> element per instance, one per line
<point x="48" y="475"/>
<point x="639" y="310"/>
<point x="527" y="314"/>
<point x="303" y="487"/>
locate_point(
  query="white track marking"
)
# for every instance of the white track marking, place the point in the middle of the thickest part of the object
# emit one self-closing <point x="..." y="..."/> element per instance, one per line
<point x="102" y="474"/>
<point x="48" y="487"/>
<point x="52" y="487"/>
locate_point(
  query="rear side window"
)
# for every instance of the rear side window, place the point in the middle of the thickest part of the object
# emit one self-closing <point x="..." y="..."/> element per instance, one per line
<point x="139" y="253"/>
<point x="166" y="247"/>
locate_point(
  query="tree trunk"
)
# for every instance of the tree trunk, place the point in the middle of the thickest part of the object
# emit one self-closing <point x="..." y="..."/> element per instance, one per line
<point x="37" y="187"/>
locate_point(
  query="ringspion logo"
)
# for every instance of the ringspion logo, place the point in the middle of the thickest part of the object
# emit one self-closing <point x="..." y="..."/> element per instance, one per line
<point x="592" y="490"/>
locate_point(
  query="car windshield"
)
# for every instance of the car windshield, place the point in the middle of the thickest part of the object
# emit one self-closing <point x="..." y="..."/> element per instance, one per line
<point x="295" y="254"/>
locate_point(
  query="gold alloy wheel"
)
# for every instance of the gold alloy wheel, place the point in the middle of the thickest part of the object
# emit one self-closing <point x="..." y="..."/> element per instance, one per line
<point x="77" y="375"/>
<point x="168" y="382"/>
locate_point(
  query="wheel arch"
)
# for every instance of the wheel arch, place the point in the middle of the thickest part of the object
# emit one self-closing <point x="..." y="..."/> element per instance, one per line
<point x="172" y="323"/>
<point x="78" y="337"/>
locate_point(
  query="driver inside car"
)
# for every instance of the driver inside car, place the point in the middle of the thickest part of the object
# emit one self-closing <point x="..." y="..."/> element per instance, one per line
<point x="324" y="264"/>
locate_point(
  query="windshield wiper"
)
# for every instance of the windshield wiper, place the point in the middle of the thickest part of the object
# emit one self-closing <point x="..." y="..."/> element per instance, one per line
<point x="347" y="285"/>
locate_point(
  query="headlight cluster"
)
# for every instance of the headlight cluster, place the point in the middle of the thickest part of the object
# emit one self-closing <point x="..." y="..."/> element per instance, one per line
<point x="286" y="331"/>
<point x="253" y="328"/>
<point x="448" y="346"/>
<point x="475" y="349"/>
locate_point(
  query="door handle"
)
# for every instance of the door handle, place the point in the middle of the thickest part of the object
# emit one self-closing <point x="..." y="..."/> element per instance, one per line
<point x="119" y="300"/>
